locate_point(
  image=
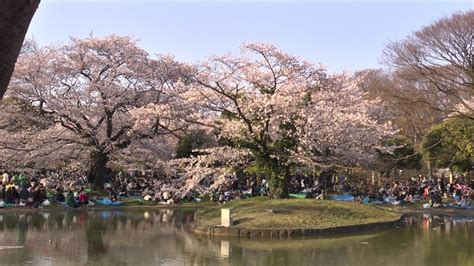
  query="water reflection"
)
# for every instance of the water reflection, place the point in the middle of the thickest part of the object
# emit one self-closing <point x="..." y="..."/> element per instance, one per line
<point x="119" y="237"/>
<point x="428" y="240"/>
<point x="151" y="237"/>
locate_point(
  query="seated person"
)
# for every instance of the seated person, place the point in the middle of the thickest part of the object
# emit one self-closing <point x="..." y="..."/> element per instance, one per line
<point x="221" y="199"/>
<point x="70" y="201"/>
<point x="11" y="195"/>
<point x="3" y="191"/>
<point x="43" y="193"/>
<point x="113" y="196"/>
<point x="123" y="191"/>
<point x="83" y="198"/>
<point x="59" y="195"/>
<point x="435" y="200"/>
<point x="24" y="195"/>
<point x="38" y="197"/>
<point x="166" y="196"/>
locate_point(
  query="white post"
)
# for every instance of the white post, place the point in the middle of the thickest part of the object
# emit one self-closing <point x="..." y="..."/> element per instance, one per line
<point x="226" y="217"/>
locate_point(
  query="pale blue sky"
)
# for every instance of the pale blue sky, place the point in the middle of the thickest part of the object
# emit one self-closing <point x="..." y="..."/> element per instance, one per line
<point x="342" y="35"/>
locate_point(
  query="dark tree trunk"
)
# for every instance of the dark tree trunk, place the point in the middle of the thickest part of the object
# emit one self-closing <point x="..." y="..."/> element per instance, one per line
<point x="15" y="18"/>
<point x="98" y="169"/>
<point x="277" y="175"/>
<point x="278" y="183"/>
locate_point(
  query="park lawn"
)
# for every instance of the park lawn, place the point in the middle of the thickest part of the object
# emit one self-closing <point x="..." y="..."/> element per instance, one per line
<point x="261" y="212"/>
<point x="137" y="202"/>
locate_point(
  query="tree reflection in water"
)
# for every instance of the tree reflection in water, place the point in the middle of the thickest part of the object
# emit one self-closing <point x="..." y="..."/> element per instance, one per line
<point x="162" y="236"/>
<point x="95" y="229"/>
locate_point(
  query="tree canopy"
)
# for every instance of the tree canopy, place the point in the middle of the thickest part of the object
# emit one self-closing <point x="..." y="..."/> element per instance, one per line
<point x="437" y="61"/>
<point x="105" y="101"/>
<point x="451" y="145"/>
<point x="89" y="92"/>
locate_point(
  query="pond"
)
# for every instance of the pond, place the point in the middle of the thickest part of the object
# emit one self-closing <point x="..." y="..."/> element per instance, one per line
<point x="163" y="237"/>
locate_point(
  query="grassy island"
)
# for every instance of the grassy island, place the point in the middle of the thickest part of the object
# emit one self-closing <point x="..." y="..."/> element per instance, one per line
<point x="264" y="213"/>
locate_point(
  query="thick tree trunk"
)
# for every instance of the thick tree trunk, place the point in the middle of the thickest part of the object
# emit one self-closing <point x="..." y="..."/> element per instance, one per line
<point x="277" y="175"/>
<point x="15" y="18"/>
<point x="98" y="169"/>
<point x="278" y="185"/>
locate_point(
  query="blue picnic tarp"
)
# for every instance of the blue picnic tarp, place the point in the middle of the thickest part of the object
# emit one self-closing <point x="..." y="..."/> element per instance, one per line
<point x="108" y="202"/>
<point x="342" y="197"/>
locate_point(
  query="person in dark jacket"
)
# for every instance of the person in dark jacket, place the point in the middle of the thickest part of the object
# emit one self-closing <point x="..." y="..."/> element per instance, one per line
<point x="9" y="197"/>
<point x="59" y="195"/>
<point x="70" y="201"/>
<point x="3" y="191"/>
<point x="38" y="197"/>
<point x="24" y="195"/>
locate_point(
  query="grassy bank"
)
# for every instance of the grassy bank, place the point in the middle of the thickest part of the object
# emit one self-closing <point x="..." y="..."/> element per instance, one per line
<point x="261" y="212"/>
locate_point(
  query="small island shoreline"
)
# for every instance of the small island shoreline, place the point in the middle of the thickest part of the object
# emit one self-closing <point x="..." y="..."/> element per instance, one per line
<point x="213" y="231"/>
<point x="256" y="219"/>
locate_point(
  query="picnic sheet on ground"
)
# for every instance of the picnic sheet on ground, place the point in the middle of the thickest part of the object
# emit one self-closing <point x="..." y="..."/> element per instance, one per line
<point x="342" y="197"/>
<point x="108" y="202"/>
<point x="297" y="195"/>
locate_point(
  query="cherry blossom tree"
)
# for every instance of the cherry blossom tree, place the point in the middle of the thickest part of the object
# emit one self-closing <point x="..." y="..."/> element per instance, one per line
<point x="104" y="100"/>
<point x="91" y="90"/>
<point x="20" y="124"/>
<point x="284" y="110"/>
<point x="211" y="169"/>
<point x="341" y="127"/>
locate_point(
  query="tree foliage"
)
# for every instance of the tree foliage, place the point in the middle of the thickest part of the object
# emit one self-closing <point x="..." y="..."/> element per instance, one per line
<point x="412" y="118"/>
<point x="91" y="91"/>
<point x="285" y="111"/>
<point x="451" y="145"/>
<point x="402" y="156"/>
<point x="104" y="102"/>
<point x="190" y="142"/>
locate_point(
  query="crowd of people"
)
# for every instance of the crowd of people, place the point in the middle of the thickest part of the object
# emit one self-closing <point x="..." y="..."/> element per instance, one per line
<point x="71" y="188"/>
<point x="144" y="185"/>
<point x="435" y="190"/>
<point x="38" y="190"/>
<point x="438" y="191"/>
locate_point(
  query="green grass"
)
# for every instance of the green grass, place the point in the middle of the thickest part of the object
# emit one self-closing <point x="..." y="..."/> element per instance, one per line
<point x="137" y="202"/>
<point x="261" y="212"/>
